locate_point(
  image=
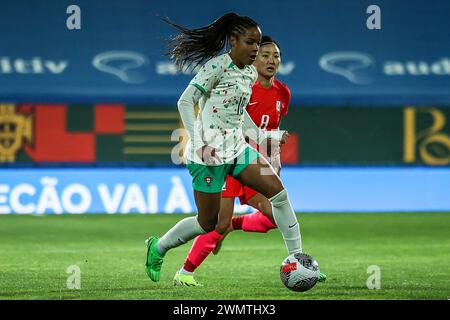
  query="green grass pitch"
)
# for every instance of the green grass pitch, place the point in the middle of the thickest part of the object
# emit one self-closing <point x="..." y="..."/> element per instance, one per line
<point x="412" y="251"/>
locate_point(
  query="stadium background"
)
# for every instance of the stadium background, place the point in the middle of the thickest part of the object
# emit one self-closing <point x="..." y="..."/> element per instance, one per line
<point x="86" y="116"/>
<point x="369" y="108"/>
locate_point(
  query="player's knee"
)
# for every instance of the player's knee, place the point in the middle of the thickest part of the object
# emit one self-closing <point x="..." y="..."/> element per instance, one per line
<point x="208" y="225"/>
<point x="280" y="199"/>
<point x="222" y="226"/>
<point x="274" y="189"/>
<point x="266" y="208"/>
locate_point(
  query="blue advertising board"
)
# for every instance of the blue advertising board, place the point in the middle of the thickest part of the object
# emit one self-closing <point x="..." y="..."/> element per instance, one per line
<point x="149" y="191"/>
<point x="330" y="54"/>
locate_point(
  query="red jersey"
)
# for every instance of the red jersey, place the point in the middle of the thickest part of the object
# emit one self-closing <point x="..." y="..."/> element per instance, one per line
<point x="267" y="106"/>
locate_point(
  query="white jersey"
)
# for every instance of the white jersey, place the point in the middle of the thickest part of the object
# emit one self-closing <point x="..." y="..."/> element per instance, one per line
<point x="226" y="92"/>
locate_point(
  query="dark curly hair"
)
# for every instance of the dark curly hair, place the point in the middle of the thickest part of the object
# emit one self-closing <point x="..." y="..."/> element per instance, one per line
<point x="193" y="47"/>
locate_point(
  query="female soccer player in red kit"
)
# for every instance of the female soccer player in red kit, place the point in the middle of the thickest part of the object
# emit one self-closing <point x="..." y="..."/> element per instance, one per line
<point x="269" y="103"/>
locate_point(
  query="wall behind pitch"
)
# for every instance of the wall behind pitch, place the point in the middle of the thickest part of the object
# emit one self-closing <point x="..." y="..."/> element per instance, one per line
<point x="125" y="135"/>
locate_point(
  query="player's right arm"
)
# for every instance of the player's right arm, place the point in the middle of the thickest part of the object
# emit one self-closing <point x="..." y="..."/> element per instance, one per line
<point x="201" y="84"/>
<point x="186" y="107"/>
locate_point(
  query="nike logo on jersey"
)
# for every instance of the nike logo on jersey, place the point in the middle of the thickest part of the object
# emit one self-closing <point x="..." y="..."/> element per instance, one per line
<point x="293" y="225"/>
<point x="252" y="103"/>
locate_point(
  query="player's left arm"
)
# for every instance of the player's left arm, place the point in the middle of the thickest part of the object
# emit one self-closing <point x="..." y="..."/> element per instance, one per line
<point x="284" y="112"/>
<point x="287" y="100"/>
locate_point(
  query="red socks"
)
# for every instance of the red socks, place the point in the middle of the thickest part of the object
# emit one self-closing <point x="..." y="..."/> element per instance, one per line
<point x="253" y="222"/>
<point x="203" y="245"/>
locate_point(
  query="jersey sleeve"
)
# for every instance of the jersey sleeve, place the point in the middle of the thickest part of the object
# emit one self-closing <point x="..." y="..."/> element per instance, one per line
<point x="255" y="75"/>
<point x="208" y="76"/>
<point x="287" y="99"/>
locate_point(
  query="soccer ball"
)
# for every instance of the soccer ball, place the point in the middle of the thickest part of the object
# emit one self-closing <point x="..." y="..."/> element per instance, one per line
<point x="299" y="272"/>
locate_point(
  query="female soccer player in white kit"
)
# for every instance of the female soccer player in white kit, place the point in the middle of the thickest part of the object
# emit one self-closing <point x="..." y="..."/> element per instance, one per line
<point x="217" y="147"/>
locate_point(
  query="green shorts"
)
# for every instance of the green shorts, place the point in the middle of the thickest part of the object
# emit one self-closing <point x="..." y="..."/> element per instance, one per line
<point x="210" y="179"/>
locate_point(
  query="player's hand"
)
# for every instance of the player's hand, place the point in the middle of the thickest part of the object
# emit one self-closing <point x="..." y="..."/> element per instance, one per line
<point x="285" y="137"/>
<point x="208" y="155"/>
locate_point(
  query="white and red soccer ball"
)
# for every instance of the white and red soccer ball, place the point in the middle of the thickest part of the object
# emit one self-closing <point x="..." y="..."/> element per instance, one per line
<point x="299" y="272"/>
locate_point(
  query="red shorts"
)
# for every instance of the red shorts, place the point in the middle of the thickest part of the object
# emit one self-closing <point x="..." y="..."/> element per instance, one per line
<point x="234" y="188"/>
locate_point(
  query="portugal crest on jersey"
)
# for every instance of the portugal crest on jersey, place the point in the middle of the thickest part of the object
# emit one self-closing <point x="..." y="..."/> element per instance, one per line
<point x="208" y="180"/>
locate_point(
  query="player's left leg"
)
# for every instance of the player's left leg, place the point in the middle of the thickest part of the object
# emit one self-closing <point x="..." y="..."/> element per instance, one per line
<point x="204" y="244"/>
<point x="260" y="221"/>
<point x="259" y="175"/>
<point x="255" y="172"/>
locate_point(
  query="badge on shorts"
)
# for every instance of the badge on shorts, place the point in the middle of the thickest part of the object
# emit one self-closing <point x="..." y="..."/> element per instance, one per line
<point x="278" y="105"/>
<point x="208" y="181"/>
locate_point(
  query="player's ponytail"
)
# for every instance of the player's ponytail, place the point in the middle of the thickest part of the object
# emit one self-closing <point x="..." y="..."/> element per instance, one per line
<point x="192" y="47"/>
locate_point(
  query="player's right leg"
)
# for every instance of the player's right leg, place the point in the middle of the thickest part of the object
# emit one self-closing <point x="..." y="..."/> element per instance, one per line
<point x="207" y="183"/>
<point x="203" y="245"/>
<point x="188" y="228"/>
